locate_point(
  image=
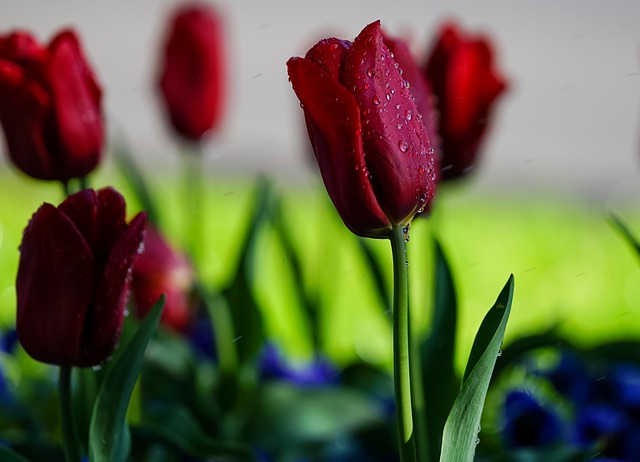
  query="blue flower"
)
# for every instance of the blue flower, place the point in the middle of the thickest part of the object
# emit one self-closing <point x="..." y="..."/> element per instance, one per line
<point x="600" y="425"/>
<point x="625" y="384"/>
<point x="527" y="423"/>
<point x="273" y="365"/>
<point x="570" y="377"/>
<point x="8" y="341"/>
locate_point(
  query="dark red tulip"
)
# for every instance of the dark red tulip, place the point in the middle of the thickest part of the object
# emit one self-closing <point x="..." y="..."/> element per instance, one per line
<point x="161" y="270"/>
<point x="374" y="152"/>
<point x="73" y="278"/>
<point x="192" y="81"/>
<point x="463" y="77"/>
<point x="50" y="106"/>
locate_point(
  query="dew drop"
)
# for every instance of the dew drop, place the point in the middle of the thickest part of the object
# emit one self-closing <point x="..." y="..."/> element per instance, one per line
<point x="420" y="169"/>
<point x="333" y="47"/>
<point x="399" y="126"/>
<point x="499" y="353"/>
<point x="366" y="86"/>
<point x="388" y="96"/>
<point x="371" y="72"/>
<point x="96" y="368"/>
<point x="358" y="132"/>
<point x="376" y="100"/>
<point x="432" y="150"/>
<point x="477" y="441"/>
<point x="397" y="106"/>
<point x="408" y="114"/>
<point x="403" y="145"/>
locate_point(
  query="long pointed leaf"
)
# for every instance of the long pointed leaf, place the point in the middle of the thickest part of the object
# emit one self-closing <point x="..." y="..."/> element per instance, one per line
<point x="108" y="434"/>
<point x="459" y="438"/>
<point x="626" y="233"/>
<point x="437" y="352"/>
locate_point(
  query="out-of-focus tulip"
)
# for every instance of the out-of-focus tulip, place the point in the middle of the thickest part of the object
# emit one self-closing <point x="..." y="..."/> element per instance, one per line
<point x="73" y="278"/>
<point x="192" y="80"/>
<point x="461" y="71"/>
<point x="375" y="155"/>
<point x="50" y="106"/>
<point x="161" y="270"/>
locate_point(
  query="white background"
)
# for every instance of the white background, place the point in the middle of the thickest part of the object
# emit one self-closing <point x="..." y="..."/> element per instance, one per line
<point x="569" y="123"/>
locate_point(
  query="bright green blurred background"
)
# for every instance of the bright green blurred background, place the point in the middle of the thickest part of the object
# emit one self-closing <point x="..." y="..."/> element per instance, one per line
<point x="572" y="269"/>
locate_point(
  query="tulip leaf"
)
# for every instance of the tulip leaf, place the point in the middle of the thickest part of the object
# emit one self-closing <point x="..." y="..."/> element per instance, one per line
<point x="108" y="433"/>
<point x="377" y="273"/>
<point x="460" y="435"/>
<point x="9" y="455"/>
<point x="626" y="233"/>
<point x="135" y="178"/>
<point x="437" y="351"/>
<point x="247" y="318"/>
<point x="178" y="428"/>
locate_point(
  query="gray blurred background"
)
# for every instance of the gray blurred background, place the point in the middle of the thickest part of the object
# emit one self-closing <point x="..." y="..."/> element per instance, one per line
<point x="568" y="125"/>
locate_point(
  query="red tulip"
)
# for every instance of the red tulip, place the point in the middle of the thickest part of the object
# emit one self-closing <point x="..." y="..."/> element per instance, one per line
<point x="375" y="155"/>
<point x="50" y="106"/>
<point x="461" y="72"/>
<point x="192" y="83"/>
<point x="161" y="270"/>
<point x="73" y="278"/>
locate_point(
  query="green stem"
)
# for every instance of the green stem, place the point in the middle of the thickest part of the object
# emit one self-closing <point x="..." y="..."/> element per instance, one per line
<point x="65" y="188"/>
<point x="194" y="192"/>
<point x="83" y="183"/>
<point x="69" y="430"/>
<point x="401" y="339"/>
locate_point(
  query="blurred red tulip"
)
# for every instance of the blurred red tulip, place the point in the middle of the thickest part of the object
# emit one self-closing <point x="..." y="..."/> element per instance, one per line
<point x="463" y="77"/>
<point x="374" y="152"/>
<point x="161" y="270"/>
<point x="50" y="106"/>
<point x="192" y="81"/>
<point x="73" y="278"/>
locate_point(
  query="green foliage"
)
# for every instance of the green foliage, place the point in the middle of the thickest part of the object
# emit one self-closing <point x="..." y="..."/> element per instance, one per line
<point x="460" y="434"/>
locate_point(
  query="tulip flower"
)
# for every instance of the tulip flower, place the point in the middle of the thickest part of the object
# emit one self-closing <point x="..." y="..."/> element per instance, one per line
<point x="50" y="106"/>
<point x="461" y="71"/>
<point x="191" y="80"/>
<point x="375" y="155"/>
<point x="73" y="278"/>
<point x="161" y="270"/>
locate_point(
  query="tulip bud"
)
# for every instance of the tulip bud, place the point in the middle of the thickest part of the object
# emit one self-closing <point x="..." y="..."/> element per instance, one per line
<point x="375" y="155"/>
<point x="49" y="106"/>
<point x="161" y="270"/>
<point x="73" y="278"/>
<point x="461" y="72"/>
<point x="192" y="83"/>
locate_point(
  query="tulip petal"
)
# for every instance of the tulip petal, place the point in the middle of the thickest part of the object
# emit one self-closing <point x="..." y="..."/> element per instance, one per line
<point x="104" y="322"/>
<point x="23" y="110"/>
<point x="398" y="151"/>
<point x="329" y="55"/>
<point x="76" y="103"/>
<point x="333" y="123"/>
<point x="54" y="287"/>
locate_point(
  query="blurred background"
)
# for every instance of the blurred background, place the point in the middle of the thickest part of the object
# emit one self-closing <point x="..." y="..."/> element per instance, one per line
<point x="569" y="123"/>
<point x="563" y="152"/>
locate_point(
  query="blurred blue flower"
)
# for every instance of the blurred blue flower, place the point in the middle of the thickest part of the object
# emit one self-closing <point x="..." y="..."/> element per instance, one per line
<point x="527" y="423"/>
<point x="8" y="341"/>
<point x="201" y="337"/>
<point x="570" y="377"/>
<point x="625" y="384"/>
<point x="603" y="426"/>
<point x="274" y="365"/>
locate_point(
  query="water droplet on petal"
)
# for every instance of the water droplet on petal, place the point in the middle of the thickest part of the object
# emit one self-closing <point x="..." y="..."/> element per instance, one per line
<point x="376" y="100"/>
<point x="371" y="72"/>
<point x="403" y="145"/>
<point x="388" y="96"/>
<point x="408" y="114"/>
<point x="432" y="150"/>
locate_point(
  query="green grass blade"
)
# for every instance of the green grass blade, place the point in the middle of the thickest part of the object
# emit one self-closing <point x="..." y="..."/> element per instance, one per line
<point x="109" y="434"/>
<point x="626" y="233"/>
<point x="459" y="438"/>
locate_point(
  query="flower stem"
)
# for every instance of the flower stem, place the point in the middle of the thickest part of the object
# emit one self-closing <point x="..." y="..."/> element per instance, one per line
<point x="401" y="339"/>
<point x="69" y="430"/>
<point x="194" y="195"/>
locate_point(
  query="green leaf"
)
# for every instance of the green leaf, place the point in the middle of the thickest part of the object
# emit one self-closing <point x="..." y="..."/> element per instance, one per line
<point x="437" y="351"/>
<point x="247" y="318"/>
<point x="626" y="233"/>
<point x="459" y="438"/>
<point x="177" y="427"/>
<point x="9" y="455"/>
<point x="135" y="178"/>
<point x="286" y="416"/>
<point x="108" y="433"/>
